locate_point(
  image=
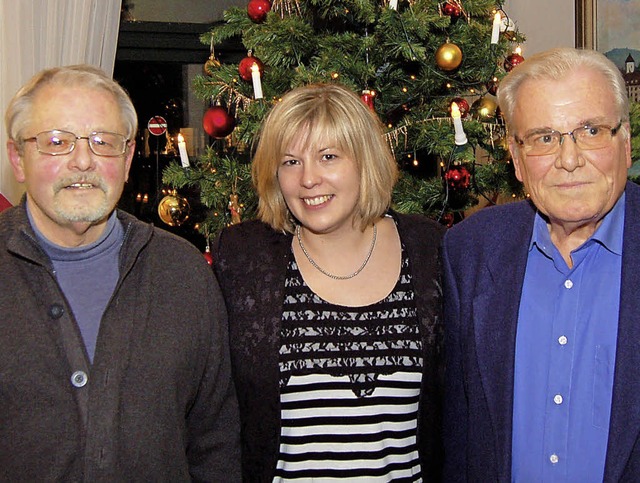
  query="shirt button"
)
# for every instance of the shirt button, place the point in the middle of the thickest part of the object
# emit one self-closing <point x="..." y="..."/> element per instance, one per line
<point x="553" y="458"/>
<point x="79" y="379"/>
<point x="557" y="399"/>
<point x="56" y="311"/>
<point x="568" y="284"/>
<point x="562" y="340"/>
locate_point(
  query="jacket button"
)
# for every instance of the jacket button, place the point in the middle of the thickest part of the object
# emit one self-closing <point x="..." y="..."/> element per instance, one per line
<point x="56" y="311"/>
<point x="79" y="379"/>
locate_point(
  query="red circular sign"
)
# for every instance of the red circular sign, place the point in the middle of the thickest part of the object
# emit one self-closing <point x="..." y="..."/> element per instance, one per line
<point x="157" y="125"/>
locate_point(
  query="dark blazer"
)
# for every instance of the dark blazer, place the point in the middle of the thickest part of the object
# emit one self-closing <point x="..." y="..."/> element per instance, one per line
<point x="250" y="260"/>
<point x="484" y="260"/>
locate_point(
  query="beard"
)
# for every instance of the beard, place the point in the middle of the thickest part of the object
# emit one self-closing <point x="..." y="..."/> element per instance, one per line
<point x="90" y="209"/>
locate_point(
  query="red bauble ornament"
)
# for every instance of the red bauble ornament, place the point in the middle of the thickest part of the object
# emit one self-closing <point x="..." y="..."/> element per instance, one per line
<point x="207" y="256"/>
<point x="458" y="177"/>
<point x="492" y="86"/>
<point x="369" y="97"/>
<point x="463" y="105"/>
<point x="217" y="122"/>
<point x="451" y="10"/>
<point x="512" y="60"/>
<point x="447" y="219"/>
<point x="257" y="10"/>
<point x="244" y="67"/>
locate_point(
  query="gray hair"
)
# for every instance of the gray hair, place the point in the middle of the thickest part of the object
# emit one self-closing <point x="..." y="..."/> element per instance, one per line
<point x="554" y="64"/>
<point x="19" y="111"/>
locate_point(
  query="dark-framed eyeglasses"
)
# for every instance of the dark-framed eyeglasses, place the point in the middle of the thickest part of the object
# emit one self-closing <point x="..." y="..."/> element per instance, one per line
<point x="58" y="143"/>
<point x="587" y="138"/>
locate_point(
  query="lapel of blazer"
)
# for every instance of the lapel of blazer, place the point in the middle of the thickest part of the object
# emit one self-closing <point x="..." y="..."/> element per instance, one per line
<point x="495" y="315"/>
<point x="624" y="426"/>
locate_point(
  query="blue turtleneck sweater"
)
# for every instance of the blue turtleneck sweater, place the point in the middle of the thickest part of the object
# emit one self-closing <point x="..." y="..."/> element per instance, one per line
<point x="87" y="276"/>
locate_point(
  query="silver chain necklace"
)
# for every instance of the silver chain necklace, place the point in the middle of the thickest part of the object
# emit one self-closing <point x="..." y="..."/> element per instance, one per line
<point x="330" y="275"/>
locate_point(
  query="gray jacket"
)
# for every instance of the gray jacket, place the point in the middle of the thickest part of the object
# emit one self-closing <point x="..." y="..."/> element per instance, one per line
<point x="158" y="403"/>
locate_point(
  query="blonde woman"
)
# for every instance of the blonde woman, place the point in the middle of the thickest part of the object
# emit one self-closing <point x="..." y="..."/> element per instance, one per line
<point x="334" y="303"/>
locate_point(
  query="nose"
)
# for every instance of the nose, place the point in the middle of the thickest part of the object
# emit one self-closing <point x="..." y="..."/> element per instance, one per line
<point x="569" y="157"/>
<point x="81" y="157"/>
<point x="310" y="175"/>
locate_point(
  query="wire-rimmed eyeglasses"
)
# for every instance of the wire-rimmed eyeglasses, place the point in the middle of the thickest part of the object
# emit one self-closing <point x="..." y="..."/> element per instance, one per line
<point x="587" y="137"/>
<point x="101" y="143"/>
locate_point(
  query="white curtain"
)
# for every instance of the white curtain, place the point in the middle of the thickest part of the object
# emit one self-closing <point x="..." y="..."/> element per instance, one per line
<point x="36" y="34"/>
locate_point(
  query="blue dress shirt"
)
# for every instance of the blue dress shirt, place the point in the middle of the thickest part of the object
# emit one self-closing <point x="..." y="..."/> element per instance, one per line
<point x="565" y="356"/>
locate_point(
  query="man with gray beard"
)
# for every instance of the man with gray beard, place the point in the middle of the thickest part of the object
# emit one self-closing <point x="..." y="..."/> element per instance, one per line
<point x="114" y="362"/>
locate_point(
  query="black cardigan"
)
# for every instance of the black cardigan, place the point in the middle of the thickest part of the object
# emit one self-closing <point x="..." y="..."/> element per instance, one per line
<point x="250" y="261"/>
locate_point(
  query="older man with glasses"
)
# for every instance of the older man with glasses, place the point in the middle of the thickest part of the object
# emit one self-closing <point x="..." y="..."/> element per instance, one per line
<point x="541" y="307"/>
<point x="115" y="359"/>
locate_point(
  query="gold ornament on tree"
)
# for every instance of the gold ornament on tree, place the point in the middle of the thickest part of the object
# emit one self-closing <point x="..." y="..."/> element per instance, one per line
<point x="448" y="56"/>
<point x="173" y="209"/>
<point x="290" y="7"/>
<point x="484" y="108"/>
<point x="235" y="208"/>
<point x="212" y="63"/>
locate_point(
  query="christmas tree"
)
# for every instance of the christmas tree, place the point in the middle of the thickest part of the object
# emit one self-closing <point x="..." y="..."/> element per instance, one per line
<point x="429" y="69"/>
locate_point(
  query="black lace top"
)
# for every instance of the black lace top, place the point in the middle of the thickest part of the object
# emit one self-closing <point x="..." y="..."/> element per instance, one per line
<point x="350" y="381"/>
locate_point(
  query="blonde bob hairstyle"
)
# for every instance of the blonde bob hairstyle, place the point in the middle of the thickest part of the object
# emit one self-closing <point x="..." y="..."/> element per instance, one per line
<point x="317" y="115"/>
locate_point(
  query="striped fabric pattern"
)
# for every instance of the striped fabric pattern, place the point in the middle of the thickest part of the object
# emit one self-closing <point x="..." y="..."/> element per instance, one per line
<point x="350" y="384"/>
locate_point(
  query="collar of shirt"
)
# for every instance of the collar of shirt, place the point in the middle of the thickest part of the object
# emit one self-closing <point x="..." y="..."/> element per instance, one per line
<point x="609" y="234"/>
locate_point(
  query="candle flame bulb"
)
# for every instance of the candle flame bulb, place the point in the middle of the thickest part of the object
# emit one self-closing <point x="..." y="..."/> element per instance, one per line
<point x="460" y="136"/>
<point x="182" y="148"/>
<point x="257" y="84"/>
<point x="495" y="31"/>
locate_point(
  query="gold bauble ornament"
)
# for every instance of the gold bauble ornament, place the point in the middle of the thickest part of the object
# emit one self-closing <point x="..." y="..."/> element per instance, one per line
<point x="173" y="210"/>
<point x="211" y="64"/>
<point x="484" y="108"/>
<point x="448" y="56"/>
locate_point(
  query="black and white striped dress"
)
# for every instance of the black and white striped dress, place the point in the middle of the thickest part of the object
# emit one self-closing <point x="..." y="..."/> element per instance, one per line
<point x="350" y="383"/>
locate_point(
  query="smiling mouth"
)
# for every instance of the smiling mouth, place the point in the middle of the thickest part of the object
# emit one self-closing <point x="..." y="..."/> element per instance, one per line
<point x="318" y="200"/>
<point x="81" y="186"/>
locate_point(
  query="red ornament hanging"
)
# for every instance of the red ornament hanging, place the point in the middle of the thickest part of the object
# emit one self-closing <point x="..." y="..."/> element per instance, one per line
<point x="244" y="67"/>
<point x="207" y="255"/>
<point x="512" y="60"/>
<point x="451" y="10"/>
<point x="217" y="122"/>
<point x="458" y="178"/>
<point x="257" y="10"/>
<point x="463" y="105"/>
<point x="492" y="86"/>
<point x="447" y="219"/>
<point x="368" y="96"/>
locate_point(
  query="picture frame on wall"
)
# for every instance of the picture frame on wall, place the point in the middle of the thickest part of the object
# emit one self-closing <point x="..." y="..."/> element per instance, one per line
<point x="609" y="26"/>
<point x="585" y="24"/>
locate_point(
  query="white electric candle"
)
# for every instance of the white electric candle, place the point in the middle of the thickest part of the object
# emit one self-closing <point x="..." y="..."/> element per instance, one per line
<point x="495" y="32"/>
<point x="182" y="148"/>
<point x="460" y="136"/>
<point x="393" y="4"/>
<point x="257" y="84"/>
